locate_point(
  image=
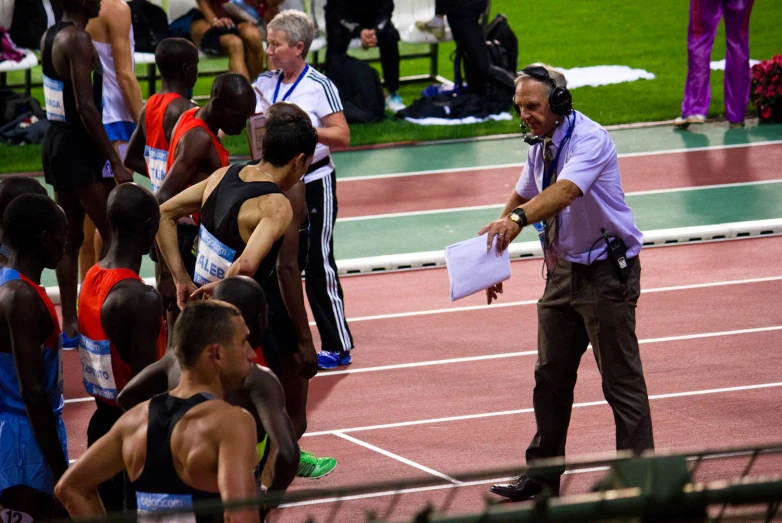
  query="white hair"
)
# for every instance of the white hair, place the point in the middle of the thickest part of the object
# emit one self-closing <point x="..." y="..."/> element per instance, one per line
<point x="554" y="74"/>
<point x="297" y="26"/>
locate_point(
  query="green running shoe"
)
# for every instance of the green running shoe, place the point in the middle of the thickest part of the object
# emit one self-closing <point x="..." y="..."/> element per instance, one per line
<point x="313" y="467"/>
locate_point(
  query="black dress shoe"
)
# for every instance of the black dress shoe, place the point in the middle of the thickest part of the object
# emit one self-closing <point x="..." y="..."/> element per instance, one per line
<point x="520" y="489"/>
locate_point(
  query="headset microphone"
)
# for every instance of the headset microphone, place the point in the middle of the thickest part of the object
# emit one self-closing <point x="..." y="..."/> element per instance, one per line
<point x="531" y="139"/>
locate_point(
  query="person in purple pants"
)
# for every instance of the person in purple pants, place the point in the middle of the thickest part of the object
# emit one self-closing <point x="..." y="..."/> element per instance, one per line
<point x="704" y="19"/>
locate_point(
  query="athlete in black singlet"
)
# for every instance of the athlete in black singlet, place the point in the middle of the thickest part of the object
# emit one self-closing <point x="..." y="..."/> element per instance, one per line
<point x="175" y="448"/>
<point x="261" y="394"/>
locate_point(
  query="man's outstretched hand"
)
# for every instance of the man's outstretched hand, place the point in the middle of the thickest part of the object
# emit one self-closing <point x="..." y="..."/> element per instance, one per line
<point x="492" y="293"/>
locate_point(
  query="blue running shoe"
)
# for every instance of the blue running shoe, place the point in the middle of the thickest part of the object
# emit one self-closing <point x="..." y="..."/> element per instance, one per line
<point x="331" y="360"/>
<point x="70" y="343"/>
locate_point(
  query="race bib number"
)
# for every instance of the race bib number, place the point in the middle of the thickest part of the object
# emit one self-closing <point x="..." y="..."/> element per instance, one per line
<point x="214" y="258"/>
<point x="55" y="106"/>
<point x="96" y="371"/>
<point x="156" y="166"/>
<point x="148" y="504"/>
<point x="107" y="172"/>
<point x="14" y="516"/>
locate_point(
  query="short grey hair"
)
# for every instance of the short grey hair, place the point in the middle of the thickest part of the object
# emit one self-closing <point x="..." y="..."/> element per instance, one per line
<point x="297" y="26"/>
<point x="554" y="74"/>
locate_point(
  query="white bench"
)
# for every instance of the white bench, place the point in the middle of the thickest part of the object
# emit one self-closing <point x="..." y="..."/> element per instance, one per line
<point x="406" y="14"/>
<point x="30" y="59"/>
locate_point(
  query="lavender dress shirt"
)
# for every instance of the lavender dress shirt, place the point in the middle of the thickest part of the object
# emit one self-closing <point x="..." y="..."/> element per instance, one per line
<point x="588" y="160"/>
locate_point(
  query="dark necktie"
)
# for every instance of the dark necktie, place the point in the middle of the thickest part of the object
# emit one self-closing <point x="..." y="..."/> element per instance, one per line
<point x="551" y="223"/>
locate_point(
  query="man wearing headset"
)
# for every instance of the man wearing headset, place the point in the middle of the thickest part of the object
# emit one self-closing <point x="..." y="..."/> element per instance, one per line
<point x="571" y="191"/>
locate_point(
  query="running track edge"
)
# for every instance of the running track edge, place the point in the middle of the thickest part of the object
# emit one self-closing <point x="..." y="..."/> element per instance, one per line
<point x="420" y="260"/>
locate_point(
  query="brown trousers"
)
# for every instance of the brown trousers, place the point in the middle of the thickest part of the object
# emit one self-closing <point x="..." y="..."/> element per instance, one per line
<point x="582" y="305"/>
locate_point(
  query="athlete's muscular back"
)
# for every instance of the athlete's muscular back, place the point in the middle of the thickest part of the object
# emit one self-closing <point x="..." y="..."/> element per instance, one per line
<point x="198" y="440"/>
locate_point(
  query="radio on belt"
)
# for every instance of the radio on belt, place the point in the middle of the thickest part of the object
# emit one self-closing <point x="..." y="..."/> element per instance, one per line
<point x="617" y="254"/>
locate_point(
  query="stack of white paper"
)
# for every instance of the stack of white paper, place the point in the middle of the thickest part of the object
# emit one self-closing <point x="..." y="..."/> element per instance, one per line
<point x="471" y="268"/>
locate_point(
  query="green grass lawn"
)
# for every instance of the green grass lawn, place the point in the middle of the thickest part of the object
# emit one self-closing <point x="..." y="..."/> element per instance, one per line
<point x="645" y="35"/>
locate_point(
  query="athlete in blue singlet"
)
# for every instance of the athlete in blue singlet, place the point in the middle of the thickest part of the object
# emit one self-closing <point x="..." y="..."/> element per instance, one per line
<point x="33" y="446"/>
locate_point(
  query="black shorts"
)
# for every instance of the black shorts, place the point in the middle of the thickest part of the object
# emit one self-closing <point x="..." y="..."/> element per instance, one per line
<point x="186" y="234"/>
<point x="71" y="158"/>
<point x="210" y="44"/>
<point x="280" y="334"/>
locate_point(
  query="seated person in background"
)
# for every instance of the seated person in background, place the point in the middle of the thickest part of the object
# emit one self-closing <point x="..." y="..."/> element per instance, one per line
<point x="369" y="20"/>
<point x="214" y="31"/>
<point x="33" y="444"/>
<point x="9" y="189"/>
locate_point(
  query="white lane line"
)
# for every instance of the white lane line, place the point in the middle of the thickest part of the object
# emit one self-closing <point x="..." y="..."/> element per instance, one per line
<point x="464" y="484"/>
<point x="512" y="304"/>
<point x="397" y="457"/>
<point x="501" y="205"/>
<point x="518" y="165"/>
<point x="424" y="489"/>
<point x="532" y="302"/>
<point x="530" y="410"/>
<point x="469" y="359"/>
<point x="80" y="400"/>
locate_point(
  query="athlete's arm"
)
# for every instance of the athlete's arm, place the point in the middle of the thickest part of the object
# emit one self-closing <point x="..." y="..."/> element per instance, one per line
<point x="183" y="204"/>
<point x="78" y="488"/>
<point x="236" y="458"/>
<point x="267" y="396"/>
<point x="335" y="131"/>
<point x="194" y="153"/>
<point x="209" y="15"/>
<point x="131" y="317"/>
<point x="289" y="275"/>
<point x="21" y="308"/>
<point x="118" y="24"/>
<point x="276" y="216"/>
<point x="157" y="378"/>
<point x="134" y="157"/>
<point x="80" y="52"/>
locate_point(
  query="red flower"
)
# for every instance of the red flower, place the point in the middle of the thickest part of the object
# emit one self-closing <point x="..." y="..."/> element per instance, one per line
<point x="765" y="113"/>
<point x="759" y="89"/>
<point x="779" y="89"/>
<point x="757" y="72"/>
<point x="778" y="59"/>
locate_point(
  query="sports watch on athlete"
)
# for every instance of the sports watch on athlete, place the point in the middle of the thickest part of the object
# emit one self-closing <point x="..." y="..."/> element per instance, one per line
<point x="519" y="217"/>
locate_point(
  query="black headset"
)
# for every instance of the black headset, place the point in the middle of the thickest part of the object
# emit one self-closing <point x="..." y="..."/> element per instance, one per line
<point x="559" y="99"/>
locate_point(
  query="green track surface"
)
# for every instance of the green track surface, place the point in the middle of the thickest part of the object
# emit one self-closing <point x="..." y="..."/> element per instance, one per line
<point x="512" y="150"/>
<point x="431" y="232"/>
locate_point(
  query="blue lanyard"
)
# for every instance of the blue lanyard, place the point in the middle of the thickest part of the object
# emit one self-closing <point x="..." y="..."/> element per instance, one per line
<point x="290" y="91"/>
<point x="553" y="166"/>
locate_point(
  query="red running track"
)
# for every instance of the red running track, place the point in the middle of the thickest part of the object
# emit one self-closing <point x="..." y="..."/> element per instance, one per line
<point x="493" y="186"/>
<point x="706" y="357"/>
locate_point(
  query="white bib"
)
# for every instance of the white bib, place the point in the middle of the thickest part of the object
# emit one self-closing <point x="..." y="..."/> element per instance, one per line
<point x="156" y="166"/>
<point x="96" y="371"/>
<point x="148" y="504"/>
<point x="55" y="104"/>
<point x="214" y="258"/>
<point x="14" y="516"/>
